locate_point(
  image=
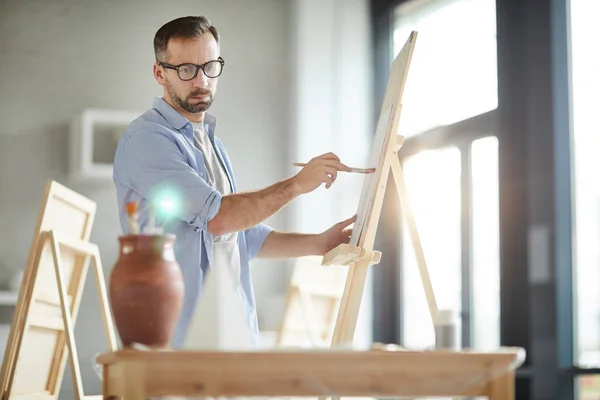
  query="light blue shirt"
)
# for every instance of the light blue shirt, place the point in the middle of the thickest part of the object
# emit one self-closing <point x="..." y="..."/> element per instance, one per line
<point x="155" y="157"/>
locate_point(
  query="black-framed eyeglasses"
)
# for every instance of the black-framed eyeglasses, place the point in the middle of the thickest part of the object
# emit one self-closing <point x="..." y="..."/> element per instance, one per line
<point x="188" y="71"/>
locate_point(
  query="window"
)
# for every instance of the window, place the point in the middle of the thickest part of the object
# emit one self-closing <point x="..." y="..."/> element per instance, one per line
<point x="589" y="387"/>
<point x="452" y="185"/>
<point x="434" y="193"/>
<point x="586" y="86"/>
<point x="434" y="187"/>
<point x="453" y="73"/>
<point x="485" y="253"/>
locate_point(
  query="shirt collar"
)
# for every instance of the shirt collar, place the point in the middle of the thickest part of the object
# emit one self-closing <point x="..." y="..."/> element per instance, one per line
<point x="179" y="122"/>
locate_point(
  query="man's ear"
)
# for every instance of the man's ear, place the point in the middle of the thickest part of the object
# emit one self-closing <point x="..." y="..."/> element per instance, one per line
<point x="159" y="74"/>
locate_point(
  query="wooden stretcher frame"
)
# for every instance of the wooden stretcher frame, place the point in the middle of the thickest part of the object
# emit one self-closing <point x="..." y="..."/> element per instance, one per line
<point x="41" y="336"/>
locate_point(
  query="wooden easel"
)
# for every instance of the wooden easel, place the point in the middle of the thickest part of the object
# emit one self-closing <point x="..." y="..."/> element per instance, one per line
<point x="359" y="254"/>
<point x="41" y="335"/>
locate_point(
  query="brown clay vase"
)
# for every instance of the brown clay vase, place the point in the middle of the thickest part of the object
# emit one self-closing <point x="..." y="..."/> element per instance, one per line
<point x="146" y="290"/>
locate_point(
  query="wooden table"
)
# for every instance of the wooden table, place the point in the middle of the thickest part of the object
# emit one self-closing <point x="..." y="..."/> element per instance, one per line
<point x="138" y="374"/>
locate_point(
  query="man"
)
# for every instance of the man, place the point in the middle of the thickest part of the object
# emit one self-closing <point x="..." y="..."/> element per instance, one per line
<point x="172" y="148"/>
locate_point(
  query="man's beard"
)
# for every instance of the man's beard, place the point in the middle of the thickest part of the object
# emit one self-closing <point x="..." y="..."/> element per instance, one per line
<point x="186" y="105"/>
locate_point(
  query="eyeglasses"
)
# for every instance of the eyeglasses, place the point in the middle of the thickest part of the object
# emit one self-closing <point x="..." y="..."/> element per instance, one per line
<point x="187" y="71"/>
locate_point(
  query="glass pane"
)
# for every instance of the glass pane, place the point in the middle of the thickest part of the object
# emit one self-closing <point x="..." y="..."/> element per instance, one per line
<point x="453" y="72"/>
<point x="588" y="387"/>
<point x="485" y="251"/>
<point x="586" y="86"/>
<point x="434" y="192"/>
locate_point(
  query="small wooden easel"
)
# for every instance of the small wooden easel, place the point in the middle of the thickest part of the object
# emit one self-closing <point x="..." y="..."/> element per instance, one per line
<point x="41" y="335"/>
<point x="359" y="253"/>
<point x="312" y="303"/>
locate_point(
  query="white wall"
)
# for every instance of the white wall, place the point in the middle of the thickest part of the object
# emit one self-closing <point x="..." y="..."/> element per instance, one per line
<point x="57" y="57"/>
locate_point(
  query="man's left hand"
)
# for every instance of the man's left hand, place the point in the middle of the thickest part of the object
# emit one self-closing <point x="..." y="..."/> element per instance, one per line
<point x="335" y="235"/>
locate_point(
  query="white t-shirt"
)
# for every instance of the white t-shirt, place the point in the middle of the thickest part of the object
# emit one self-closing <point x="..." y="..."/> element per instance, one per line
<point x="216" y="176"/>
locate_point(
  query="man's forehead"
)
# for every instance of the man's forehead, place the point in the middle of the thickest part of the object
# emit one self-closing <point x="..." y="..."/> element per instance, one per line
<point x="198" y="50"/>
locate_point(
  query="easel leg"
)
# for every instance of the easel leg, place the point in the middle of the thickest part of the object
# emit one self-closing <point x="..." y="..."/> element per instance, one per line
<point x="350" y="306"/>
<point x="66" y="312"/>
<point x="414" y="236"/>
<point x="502" y="387"/>
<point x="104" y="306"/>
<point x="17" y="331"/>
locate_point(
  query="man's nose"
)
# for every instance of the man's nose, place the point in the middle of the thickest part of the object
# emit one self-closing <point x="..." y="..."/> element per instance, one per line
<point x="200" y="80"/>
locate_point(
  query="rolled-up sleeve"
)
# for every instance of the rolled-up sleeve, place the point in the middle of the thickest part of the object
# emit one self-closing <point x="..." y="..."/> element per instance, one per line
<point x="156" y="167"/>
<point x="255" y="237"/>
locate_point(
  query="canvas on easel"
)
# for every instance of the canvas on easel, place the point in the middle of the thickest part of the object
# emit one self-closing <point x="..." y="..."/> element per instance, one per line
<point x="359" y="253"/>
<point x="41" y="337"/>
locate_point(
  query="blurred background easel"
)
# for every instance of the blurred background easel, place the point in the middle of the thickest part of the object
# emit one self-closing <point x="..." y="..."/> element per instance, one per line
<point x="41" y="335"/>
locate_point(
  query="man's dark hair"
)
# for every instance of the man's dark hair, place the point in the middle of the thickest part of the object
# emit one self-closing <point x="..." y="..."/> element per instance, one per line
<point x="181" y="28"/>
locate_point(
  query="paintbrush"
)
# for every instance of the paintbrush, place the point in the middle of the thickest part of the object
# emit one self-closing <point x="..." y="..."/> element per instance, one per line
<point x="357" y="170"/>
<point x="132" y="217"/>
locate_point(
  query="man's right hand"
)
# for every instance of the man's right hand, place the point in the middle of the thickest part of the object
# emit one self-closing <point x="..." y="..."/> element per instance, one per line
<point x="241" y="211"/>
<point x="319" y="170"/>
